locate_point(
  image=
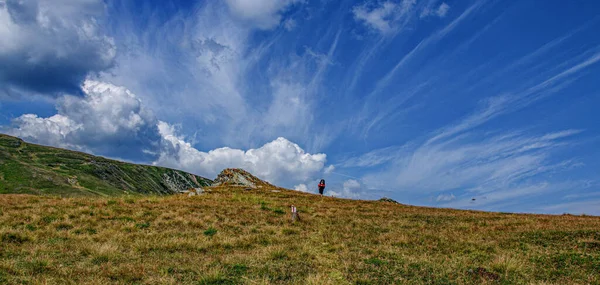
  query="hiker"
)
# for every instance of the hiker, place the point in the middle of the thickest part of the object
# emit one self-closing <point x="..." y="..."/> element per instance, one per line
<point x="321" y="186"/>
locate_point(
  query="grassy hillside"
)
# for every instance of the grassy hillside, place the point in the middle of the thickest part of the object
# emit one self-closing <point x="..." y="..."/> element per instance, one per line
<point x="231" y="235"/>
<point x="34" y="169"/>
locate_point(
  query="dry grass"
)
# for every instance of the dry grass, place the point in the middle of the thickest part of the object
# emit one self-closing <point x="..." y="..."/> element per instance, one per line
<point x="234" y="236"/>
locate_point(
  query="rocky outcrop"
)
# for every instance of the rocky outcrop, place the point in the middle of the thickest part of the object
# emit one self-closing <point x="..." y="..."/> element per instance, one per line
<point x="388" y="200"/>
<point x="239" y="177"/>
<point x="194" y="192"/>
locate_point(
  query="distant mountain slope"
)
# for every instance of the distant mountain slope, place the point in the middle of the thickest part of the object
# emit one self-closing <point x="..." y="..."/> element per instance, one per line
<point x="35" y="169"/>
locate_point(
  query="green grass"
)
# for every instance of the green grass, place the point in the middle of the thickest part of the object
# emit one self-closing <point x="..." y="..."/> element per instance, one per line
<point x="210" y="232"/>
<point x="16" y="238"/>
<point x="226" y="236"/>
<point x="39" y="170"/>
<point x="142" y="225"/>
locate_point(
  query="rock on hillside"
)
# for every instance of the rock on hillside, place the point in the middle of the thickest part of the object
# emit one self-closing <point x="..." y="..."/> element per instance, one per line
<point x="388" y="200"/>
<point x="239" y="177"/>
<point x="35" y="169"/>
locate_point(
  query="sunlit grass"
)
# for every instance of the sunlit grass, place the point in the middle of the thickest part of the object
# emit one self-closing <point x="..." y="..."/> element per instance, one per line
<point x="234" y="236"/>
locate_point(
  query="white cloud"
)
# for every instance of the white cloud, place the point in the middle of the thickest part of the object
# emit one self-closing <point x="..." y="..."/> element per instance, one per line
<point x="465" y="162"/>
<point x="50" y="46"/>
<point x="288" y="106"/>
<point x="373" y="158"/>
<point x="492" y="108"/>
<point x="279" y="161"/>
<point x="235" y="92"/>
<point x="52" y="131"/>
<point x="375" y="18"/>
<point x="301" y="188"/>
<point x="384" y="16"/>
<point x="265" y="14"/>
<point x="329" y="169"/>
<point x="351" y="184"/>
<point x="422" y="45"/>
<point x="445" y="198"/>
<point x="535" y="194"/>
<point x="290" y="24"/>
<point x="502" y="167"/>
<point x="350" y="189"/>
<point x="441" y="10"/>
<point x="109" y="119"/>
<point x="587" y="207"/>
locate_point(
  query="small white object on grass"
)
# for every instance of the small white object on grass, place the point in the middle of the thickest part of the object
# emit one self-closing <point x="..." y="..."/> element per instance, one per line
<point x="295" y="214"/>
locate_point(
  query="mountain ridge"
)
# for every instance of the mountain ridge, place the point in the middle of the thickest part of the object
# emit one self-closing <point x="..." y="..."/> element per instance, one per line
<point x="29" y="168"/>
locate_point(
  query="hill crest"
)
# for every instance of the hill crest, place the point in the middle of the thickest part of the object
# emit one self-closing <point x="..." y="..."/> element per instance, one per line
<point x="27" y="168"/>
<point x="239" y="177"/>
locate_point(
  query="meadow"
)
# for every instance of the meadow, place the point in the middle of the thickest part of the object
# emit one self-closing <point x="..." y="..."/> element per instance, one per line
<point x="230" y="235"/>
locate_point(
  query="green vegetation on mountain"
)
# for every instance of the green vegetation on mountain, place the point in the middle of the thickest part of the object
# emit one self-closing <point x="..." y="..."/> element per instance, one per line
<point x="34" y="169"/>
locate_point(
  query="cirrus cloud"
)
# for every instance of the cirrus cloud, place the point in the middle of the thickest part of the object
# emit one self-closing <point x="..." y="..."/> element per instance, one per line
<point x="264" y="14"/>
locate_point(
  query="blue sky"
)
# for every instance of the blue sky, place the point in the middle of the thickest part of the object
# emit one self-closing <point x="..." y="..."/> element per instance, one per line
<point x="487" y="105"/>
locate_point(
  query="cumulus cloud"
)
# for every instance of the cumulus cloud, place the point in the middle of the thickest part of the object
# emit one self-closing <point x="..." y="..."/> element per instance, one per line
<point x="50" y="46"/>
<point x="351" y="184"/>
<point x="350" y="189"/>
<point x="108" y="120"/>
<point x="329" y="169"/>
<point x="280" y="161"/>
<point x="302" y="188"/>
<point x="50" y="131"/>
<point x="384" y="16"/>
<point x="264" y="14"/>
<point x="112" y="121"/>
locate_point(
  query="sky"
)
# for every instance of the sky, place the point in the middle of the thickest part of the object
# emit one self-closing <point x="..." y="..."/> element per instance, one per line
<point x="488" y="105"/>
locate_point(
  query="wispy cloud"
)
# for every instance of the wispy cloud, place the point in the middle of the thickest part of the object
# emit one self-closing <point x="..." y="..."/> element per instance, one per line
<point x="384" y="82"/>
<point x="588" y="207"/>
<point x="241" y="93"/>
<point x="440" y="11"/>
<point x="265" y="14"/>
<point x="445" y="198"/>
<point x="502" y="104"/>
<point x="373" y="158"/>
<point x="435" y="37"/>
<point x="384" y="17"/>
<point x="470" y="162"/>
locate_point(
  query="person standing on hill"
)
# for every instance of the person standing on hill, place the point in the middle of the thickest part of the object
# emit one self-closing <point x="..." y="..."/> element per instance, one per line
<point x="321" y="186"/>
